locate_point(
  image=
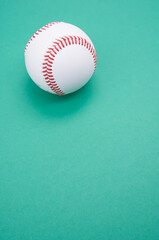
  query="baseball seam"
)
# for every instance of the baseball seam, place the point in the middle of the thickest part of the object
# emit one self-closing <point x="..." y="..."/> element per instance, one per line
<point x="38" y="32"/>
<point x="51" y="53"/>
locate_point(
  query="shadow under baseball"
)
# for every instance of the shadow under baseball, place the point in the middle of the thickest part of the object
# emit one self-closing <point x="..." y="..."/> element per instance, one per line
<point x="58" y="106"/>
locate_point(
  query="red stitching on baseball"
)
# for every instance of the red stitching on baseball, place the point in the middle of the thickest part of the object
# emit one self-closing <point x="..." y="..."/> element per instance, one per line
<point x="49" y="58"/>
<point x="75" y="39"/>
<point x="52" y="54"/>
<point x="64" y="41"/>
<point x="61" y="43"/>
<point x="39" y="31"/>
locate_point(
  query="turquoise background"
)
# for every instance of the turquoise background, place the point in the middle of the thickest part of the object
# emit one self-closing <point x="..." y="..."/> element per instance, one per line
<point x="83" y="166"/>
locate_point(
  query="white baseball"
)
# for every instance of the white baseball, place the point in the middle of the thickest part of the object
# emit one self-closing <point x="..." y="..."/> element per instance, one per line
<point x="60" y="58"/>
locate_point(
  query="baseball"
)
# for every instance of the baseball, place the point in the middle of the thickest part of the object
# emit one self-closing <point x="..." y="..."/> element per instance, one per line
<point x="60" y="58"/>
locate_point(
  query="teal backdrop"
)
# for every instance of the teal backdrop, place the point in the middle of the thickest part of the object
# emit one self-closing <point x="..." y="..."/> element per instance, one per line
<point x="83" y="166"/>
